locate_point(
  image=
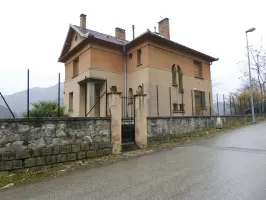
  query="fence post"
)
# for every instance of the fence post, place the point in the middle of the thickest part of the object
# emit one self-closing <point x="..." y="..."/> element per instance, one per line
<point x="106" y="99"/>
<point x="230" y="105"/>
<point x="28" y="93"/>
<point x="157" y="91"/>
<point x="141" y="129"/>
<point x="115" y="108"/>
<point x="170" y="97"/>
<point x="192" y="103"/>
<point x="58" y="111"/>
<point x="217" y="98"/>
<point x="210" y="104"/>
<point x="224" y="105"/>
<point x="7" y="106"/>
<point x="240" y="105"/>
<point x="234" y="105"/>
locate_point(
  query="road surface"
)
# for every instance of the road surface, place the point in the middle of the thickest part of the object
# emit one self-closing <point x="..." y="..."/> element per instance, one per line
<point x="229" y="166"/>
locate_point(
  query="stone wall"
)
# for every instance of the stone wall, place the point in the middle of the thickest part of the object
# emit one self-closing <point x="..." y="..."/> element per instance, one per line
<point x="48" y="157"/>
<point x="159" y="127"/>
<point x="26" y="143"/>
<point x="20" y="134"/>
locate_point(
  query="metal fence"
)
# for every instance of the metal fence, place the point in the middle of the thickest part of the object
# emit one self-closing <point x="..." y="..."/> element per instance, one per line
<point x="172" y="101"/>
<point x="21" y="104"/>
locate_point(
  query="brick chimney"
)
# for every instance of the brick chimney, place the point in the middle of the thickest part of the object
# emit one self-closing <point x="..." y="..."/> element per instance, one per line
<point x="120" y="33"/>
<point x="83" y="21"/>
<point x="164" y="28"/>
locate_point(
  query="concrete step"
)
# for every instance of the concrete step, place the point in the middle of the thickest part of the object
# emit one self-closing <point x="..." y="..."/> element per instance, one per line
<point x="129" y="146"/>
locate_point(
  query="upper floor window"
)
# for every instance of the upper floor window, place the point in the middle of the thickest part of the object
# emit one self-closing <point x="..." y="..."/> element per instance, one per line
<point x="76" y="67"/>
<point x="174" y="70"/>
<point x="197" y="69"/>
<point x="139" y="57"/>
<point x="180" y="78"/>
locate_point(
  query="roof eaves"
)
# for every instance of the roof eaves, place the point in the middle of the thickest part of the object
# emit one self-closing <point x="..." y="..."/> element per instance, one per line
<point x="185" y="47"/>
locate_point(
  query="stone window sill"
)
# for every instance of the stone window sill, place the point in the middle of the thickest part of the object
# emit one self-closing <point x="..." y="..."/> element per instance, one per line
<point x="139" y="65"/>
<point x="176" y="111"/>
<point x="199" y="77"/>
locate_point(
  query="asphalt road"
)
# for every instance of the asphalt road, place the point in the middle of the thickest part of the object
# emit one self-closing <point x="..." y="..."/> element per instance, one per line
<point x="229" y="166"/>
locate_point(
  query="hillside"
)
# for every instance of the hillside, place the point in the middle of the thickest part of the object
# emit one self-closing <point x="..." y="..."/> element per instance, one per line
<point x="18" y="101"/>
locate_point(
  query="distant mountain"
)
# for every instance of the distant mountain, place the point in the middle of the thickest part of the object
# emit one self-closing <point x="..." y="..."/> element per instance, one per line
<point x="18" y="101"/>
<point x="5" y="113"/>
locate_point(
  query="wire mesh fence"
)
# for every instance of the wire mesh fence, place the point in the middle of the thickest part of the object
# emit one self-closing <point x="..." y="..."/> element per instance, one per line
<point x="172" y="101"/>
<point x="34" y="101"/>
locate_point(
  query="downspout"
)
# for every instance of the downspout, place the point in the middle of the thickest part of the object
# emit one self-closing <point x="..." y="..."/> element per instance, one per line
<point x="125" y="81"/>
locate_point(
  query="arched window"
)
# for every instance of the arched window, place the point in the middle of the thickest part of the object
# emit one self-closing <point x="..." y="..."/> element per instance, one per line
<point x="180" y="79"/>
<point x="139" y="57"/>
<point x="130" y="96"/>
<point x="174" y="81"/>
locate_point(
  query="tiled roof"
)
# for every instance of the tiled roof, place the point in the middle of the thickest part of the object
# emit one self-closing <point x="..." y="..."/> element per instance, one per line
<point x="114" y="40"/>
<point x="101" y="36"/>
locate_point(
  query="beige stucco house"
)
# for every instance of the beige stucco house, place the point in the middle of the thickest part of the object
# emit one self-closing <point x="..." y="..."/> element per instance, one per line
<point x="176" y="79"/>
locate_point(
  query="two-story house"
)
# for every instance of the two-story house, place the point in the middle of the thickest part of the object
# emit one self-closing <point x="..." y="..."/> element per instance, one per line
<point x="176" y="79"/>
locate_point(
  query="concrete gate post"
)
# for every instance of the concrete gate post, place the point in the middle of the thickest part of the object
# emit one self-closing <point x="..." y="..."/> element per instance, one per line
<point x="115" y="112"/>
<point x="141" y="135"/>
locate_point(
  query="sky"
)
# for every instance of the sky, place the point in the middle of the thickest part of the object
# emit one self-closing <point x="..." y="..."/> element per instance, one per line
<point x="33" y="32"/>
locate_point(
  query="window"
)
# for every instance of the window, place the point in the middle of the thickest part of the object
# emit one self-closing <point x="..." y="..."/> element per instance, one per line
<point x="130" y="56"/>
<point x="76" y="38"/>
<point x="200" y="99"/>
<point x="197" y="69"/>
<point x="75" y="67"/>
<point x="180" y="79"/>
<point x="70" y="106"/>
<point x="174" y="81"/>
<point x="139" y="57"/>
<point x="178" y="107"/>
<point x="203" y="100"/>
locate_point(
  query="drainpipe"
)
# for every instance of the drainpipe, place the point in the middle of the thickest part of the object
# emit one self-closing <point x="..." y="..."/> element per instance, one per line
<point x="125" y="81"/>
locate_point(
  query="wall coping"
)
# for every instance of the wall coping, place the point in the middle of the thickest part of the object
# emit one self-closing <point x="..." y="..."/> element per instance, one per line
<point x="140" y="95"/>
<point x="186" y="117"/>
<point x="54" y="119"/>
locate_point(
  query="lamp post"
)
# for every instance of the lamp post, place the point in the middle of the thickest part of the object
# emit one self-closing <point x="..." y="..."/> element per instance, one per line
<point x="250" y="82"/>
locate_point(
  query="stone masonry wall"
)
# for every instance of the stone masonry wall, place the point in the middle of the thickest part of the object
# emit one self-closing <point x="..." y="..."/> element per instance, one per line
<point x="159" y="127"/>
<point x="48" y="157"/>
<point x="26" y="143"/>
<point x="37" y="133"/>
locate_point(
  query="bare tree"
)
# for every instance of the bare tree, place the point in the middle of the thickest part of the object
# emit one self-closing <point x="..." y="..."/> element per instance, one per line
<point x="258" y="68"/>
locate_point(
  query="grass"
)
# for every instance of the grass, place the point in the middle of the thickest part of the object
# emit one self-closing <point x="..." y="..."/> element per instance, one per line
<point x="27" y="176"/>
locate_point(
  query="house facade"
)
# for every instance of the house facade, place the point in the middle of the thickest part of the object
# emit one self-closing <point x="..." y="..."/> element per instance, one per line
<point x="176" y="79"/>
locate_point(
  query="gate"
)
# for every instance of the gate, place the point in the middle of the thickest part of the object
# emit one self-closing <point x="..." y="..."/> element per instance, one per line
<point x="128" y="120"/>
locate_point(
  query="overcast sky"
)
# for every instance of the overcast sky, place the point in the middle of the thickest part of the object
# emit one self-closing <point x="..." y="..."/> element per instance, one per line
<point x="33" y="32"/>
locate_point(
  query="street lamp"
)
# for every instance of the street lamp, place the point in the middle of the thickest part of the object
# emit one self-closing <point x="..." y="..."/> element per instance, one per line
<point x="250" y="83"/>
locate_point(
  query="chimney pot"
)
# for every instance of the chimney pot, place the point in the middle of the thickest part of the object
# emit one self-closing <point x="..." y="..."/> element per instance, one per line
<point x="120" y="33"/>
<point x="164" y="28"/>
<point x="83" y="21"/>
